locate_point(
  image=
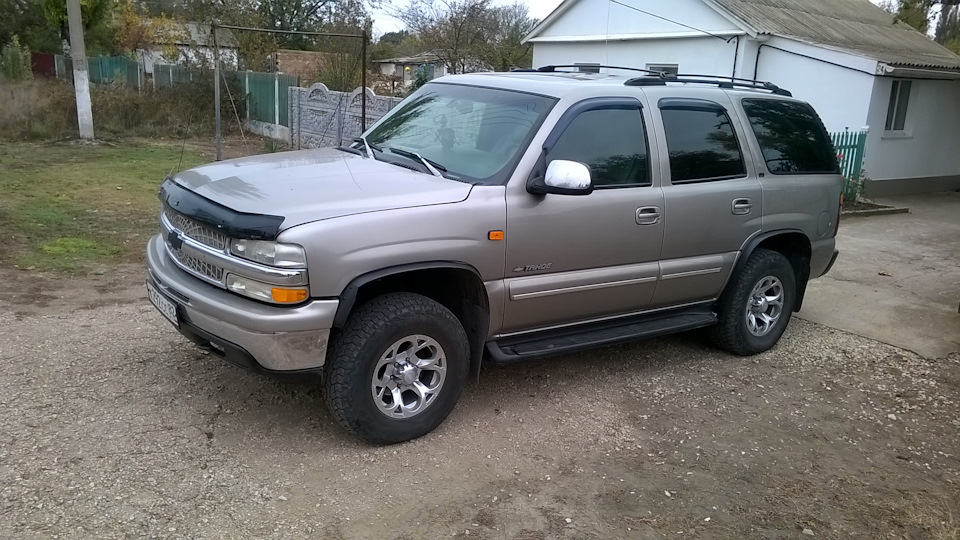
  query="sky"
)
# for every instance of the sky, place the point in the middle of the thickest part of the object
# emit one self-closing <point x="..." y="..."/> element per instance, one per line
<point x="383" y="22"/>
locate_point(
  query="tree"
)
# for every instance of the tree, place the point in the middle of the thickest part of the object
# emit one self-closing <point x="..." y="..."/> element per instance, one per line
<point x="948" y="28"/>
<point x="916" y="13"/>
<point x="97" y="19"/>
<point x="136" y="29"/>
<point x="454" y="30"/>
<point x="503" y="49"/>
<point x="26" y="20"/>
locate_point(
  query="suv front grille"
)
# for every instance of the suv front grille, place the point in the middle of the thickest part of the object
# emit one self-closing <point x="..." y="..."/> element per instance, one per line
<point x="198" y="231"/>
<point x="197" y="266"/>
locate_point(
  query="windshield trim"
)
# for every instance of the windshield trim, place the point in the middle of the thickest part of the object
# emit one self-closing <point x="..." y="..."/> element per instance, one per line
<point x="506" y="172"/>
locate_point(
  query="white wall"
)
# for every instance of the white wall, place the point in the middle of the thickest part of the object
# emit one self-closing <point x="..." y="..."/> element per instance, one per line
<point x="930" y="144"/>
<point x="592" y="17"/>
<point x="841" y="95"/>
<point x="706" y="55"/>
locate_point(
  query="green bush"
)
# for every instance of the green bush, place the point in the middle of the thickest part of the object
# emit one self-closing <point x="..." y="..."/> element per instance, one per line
<point x="15" y="61"/>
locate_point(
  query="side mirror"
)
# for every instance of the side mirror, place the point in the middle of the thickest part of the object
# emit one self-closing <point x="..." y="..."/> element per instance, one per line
<point x="563" y="178"/>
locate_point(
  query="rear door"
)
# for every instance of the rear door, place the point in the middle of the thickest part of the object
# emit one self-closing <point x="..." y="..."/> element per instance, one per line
<point x="801" y="183"/>
<point x="712" y="198"/>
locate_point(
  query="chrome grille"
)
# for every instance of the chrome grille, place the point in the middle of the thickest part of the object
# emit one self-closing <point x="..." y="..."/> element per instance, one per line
<point x="199" y="232"/>
<point x="196" y="265"/>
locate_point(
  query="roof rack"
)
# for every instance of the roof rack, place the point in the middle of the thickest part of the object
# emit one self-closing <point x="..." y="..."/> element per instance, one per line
<point x="553" y="69"/>
<point x="659" y="78"/>
<point x="721" y="81"/>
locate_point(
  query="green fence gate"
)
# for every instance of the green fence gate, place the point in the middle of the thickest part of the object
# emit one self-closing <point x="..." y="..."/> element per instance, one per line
<point x="268" y="96"/>
<point x="849" y="147"/>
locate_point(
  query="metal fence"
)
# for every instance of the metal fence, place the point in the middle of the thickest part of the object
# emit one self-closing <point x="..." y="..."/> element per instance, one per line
<point x="849" y="146"/>
<point x="169" y="75"/>
<point x="104" y="70"/>
<point x="268" y="96"/>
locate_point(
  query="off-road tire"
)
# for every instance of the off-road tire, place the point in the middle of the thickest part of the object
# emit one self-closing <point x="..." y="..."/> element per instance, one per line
<point x="368" y="333"/>
<point x="731" y="332"/>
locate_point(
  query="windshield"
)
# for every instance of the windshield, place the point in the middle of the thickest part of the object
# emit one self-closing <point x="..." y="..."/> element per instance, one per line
<point x="471" y="134"/>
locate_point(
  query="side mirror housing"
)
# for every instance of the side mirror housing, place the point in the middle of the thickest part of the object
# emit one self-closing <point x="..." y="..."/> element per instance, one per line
<point x="563" y="178"/>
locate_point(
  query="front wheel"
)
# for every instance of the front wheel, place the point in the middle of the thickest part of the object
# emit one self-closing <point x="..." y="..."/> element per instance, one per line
<point x="756" y="306"/>
<point x="397" y="369"/>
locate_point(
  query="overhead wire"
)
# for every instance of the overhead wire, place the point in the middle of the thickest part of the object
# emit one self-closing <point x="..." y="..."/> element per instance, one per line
<point x="728" y="40"/>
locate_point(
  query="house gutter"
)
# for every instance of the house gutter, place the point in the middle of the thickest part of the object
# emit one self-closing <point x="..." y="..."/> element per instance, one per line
<point x="909" y="72"/>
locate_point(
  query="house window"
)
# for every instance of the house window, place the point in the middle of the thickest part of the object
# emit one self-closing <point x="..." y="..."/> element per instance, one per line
<point x="897" y="109"/>
<point x="588" y="67"/>
<point x="669" y="69"/>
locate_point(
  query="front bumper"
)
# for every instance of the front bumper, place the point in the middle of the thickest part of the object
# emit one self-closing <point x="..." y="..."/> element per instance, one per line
<point x="245" y="332"/>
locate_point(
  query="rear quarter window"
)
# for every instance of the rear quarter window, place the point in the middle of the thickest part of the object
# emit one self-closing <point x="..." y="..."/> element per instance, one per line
<point x="791" y="137"/>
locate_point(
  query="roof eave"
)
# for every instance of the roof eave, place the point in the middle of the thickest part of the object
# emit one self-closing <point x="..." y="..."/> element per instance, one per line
<point x="917" y="72"/>
<point x="736" y="21"/>
<point x="548" y="20"/>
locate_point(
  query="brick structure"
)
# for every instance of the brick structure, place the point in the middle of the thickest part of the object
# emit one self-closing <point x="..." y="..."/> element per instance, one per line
<point x="304" y="64"/>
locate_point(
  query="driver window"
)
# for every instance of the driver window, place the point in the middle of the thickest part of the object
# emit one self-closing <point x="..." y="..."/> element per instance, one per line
<point x="611" y="143"/>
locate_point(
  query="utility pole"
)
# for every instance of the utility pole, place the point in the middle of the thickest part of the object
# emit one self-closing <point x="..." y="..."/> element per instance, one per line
<point x="81" y="76"/>
<point x="216" y="83"/>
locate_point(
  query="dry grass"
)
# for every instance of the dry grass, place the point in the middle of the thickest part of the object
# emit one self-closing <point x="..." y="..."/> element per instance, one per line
<point x="45" y="109"/>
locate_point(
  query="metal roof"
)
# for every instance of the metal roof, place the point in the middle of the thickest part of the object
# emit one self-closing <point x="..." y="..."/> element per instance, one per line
<point x="855" y="26"/>
<point x="424" y="58"/>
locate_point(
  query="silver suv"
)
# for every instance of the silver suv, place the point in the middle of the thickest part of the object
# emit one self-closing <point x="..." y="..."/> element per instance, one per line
<point x="503" y="217"/>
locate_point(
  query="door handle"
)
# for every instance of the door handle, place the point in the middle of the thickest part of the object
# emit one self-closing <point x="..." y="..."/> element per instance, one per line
<point x="741" y="206"/>
<point x="648" y="215"/>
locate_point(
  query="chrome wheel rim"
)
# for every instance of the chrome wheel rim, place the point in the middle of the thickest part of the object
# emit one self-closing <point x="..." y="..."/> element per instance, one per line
<point x="764" y="306"/>
<point x="409" y="376"/>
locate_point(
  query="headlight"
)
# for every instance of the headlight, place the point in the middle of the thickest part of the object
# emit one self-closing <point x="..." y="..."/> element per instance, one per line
<point x="270" y="253"/>
<point x="264" y="291"/>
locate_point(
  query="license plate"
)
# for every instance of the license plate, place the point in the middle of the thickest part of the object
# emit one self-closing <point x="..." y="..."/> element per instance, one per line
<point x="166" y="307"/>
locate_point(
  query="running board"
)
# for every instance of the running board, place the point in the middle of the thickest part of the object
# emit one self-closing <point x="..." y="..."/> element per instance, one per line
<point x="589" y="336"/>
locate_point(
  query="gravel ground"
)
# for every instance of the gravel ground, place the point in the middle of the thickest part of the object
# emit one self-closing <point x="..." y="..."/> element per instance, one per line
<point x="112" y="425"/>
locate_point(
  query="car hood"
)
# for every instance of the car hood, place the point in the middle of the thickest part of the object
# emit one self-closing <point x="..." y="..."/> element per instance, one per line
<point x="311" y="185"/>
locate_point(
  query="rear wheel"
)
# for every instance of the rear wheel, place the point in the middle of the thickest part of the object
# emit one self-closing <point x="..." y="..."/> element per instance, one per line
<point x="757" y="305"/>
<point x="397" y="369"/>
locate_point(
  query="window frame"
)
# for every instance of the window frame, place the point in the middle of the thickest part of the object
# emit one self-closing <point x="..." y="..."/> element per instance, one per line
<point x="701" y="105"/>
<point x="655" y="66"/>
<point x="595" y="104"/>
<point x="894" y="103"/>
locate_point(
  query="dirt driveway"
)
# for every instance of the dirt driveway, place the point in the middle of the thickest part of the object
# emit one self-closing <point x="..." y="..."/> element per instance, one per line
<point x="112" y="425"/>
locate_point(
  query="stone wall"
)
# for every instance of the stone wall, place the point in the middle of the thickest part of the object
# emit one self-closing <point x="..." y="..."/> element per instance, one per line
<point x="320" y="117"/>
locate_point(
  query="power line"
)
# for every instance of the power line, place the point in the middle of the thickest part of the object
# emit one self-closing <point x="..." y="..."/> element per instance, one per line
<point x="672" y="21"/>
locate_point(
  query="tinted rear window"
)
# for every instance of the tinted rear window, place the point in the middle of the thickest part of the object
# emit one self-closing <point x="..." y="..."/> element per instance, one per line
<point x="791" y="137"/>
<point x="702" y="145"/>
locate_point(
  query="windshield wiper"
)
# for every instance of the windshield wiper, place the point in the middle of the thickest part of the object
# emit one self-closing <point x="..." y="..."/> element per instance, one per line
<point x="431" y="165"/>
<point x="369" y="148"/>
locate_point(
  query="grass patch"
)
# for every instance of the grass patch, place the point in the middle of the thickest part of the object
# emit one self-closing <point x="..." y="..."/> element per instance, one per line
<point x="74" y="208"/>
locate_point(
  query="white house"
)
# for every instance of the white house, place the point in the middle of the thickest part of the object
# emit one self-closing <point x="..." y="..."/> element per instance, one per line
<point x="194" y="45"/>
<point x="408" y="67"/>
<point x="848" y="58"/>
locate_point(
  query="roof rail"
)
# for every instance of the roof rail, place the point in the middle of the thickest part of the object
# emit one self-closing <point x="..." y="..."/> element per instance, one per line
<point x="721" y="81"/>
<point x="553" y="69"/>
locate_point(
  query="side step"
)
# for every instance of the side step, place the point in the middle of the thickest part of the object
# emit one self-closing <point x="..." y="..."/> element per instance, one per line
<point x="588" y="336"/>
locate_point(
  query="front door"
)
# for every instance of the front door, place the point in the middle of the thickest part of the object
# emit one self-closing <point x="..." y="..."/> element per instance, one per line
<point x="573" y="258"/>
